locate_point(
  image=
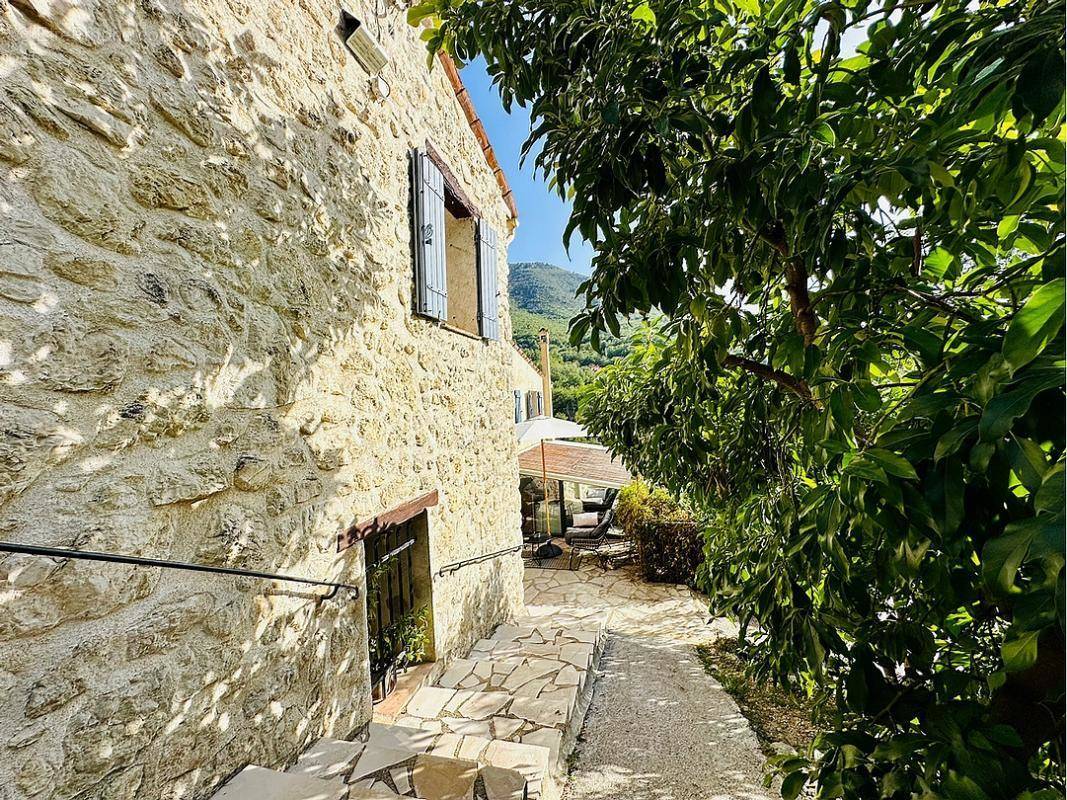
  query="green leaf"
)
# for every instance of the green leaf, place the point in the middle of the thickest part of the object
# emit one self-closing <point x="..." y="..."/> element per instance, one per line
<point x="751" y="7"/>
<point x="961" y="787"/>
<point x="862" y="468"/>
<point x="892" y="463"/>
<point x="866" y="396"/>
<point x="791" y="64"/>
<point x="417" y="13"/>
<point x="644" y="13"/>
<point x="898" y="747"/>
<point x="1037" y="322"/>
<point x="1050" y="496"/>
<point x="938" y="262"/>
<point x="1041" y="84"/>
<point x="1029" y="463"/>
<point x="1007" y="226"/>
<point x="824" y="133"/>
<point x="925" y="343"/>
<point x="1004" y="409"/>
<point x="1019" y="650"/>
<point x="1002" y="557"/>
<point x="1054" y="148"/>
<point x="765" y="96"/>
<point x="841" y="409"/>
<point x="940" y="174"/>
<point x="793" y="784"/>
<point x="953" y="440"/>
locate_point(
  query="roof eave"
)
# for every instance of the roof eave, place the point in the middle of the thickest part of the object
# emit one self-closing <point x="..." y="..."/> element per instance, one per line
<point x="465" y="102"/>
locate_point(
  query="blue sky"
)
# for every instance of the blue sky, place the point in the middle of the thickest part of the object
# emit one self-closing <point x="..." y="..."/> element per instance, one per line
<point x="542" y="215"/>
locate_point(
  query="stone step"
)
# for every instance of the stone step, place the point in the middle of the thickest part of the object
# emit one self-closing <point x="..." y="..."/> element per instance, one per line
<point x="521" y="676"/>
<point x="535" y="762"/>
<point x="593" y="620"/>
<point x="414" y="764"/>
<point x="581" y="655"/>
<point x="497" y="715"/>
<point x="532" y="762"/>
<point x="551" y="630"/>
<point x="259" y="783"/>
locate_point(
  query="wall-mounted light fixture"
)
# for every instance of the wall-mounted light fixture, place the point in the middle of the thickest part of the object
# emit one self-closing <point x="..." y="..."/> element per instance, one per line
<point x="362" y="44"/>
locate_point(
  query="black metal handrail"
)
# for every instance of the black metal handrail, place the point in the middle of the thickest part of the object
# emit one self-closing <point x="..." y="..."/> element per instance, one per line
<point x="116" y="558"/>
<point x="484" y="557"/>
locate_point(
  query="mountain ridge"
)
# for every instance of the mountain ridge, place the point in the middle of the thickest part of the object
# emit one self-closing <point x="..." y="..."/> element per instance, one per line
<point x="542" y="295"/>
<point x="543" y="288"/>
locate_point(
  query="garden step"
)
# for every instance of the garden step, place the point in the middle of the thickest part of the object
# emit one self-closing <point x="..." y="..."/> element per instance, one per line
<point x="521" y="676"/>
<point x="547" y="633"/>
<point x="581" y="655"/>
<point x="545" y="722"/>
<point x="383" y="765"/>
<point x="530" y="762"/>
<point x="412" y="763"/>
<point x="327" y="759"/>
<point x="592" y="618"/>
<point x="259" y="783"/>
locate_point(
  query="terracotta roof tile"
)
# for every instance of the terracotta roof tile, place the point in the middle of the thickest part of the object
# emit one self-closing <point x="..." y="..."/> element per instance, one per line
<point x="479" y="131"/>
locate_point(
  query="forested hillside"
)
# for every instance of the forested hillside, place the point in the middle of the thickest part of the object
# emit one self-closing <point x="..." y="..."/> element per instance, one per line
<point x="543" y="296"/>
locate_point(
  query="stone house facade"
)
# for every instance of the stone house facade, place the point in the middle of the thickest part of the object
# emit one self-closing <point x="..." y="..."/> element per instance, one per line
<point x="527" y="386"/>
<point x="214" y="348"/>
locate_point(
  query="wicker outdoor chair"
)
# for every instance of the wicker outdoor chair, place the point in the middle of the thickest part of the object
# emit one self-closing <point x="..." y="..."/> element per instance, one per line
<point x="597" y="542"/>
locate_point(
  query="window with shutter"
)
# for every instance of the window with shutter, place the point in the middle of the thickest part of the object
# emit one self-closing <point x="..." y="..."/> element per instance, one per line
<point x="488" y="324"/>
<point x="534" y="407"/>
<point x="455" y="251"/>
<point x="428" y="222"/>
<point x="518" y="406"/>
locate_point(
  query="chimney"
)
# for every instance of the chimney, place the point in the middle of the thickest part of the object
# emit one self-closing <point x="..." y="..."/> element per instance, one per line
<point x="546" y="371"/>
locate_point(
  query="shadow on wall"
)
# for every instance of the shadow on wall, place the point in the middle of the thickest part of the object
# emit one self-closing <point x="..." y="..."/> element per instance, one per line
<point x="473" y="601"/>
<point x="205" y="354"/>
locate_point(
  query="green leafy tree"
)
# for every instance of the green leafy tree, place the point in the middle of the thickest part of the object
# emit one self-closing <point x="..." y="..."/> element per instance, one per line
<point x="851" y="218"/>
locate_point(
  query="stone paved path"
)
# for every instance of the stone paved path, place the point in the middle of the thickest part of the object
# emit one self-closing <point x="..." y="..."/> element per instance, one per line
<point x="659" y="727"/>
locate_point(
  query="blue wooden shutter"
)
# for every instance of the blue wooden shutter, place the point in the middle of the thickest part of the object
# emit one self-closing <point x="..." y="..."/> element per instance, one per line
<point x="428" y="214"/>
<point x="518" y="406"/>
<point x="488" y="323"/>
<point x="534" y="405"/>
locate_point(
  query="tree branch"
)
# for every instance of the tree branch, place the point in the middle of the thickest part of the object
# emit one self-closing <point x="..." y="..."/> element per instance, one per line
<point x="797" y="386"/>
<point x="941" y="304"/>
<point x="796" y="283"/>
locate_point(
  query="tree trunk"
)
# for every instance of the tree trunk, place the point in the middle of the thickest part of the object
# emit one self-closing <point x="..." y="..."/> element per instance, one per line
<point x="796" y="283"/>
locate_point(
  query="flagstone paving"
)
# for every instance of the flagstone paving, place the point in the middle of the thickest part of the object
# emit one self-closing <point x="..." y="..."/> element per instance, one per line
<point x="500" y="723"/>
<point x="528" y="685"/>
<point x="658" y="727"/>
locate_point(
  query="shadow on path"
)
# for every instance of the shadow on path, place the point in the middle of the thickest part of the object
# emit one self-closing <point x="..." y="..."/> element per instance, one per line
<point x="659" y="727"/>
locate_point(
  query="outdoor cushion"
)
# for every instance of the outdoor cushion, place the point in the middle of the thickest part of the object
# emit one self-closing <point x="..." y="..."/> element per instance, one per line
<point x="589" y="519"/>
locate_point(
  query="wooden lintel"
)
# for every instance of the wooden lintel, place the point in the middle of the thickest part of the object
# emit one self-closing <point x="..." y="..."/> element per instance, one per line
<point x="456" y="200"/>
<point x="394" y="516"/>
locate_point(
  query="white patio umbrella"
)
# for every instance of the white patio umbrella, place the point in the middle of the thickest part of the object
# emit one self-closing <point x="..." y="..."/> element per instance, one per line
<point x="537" y="429"/>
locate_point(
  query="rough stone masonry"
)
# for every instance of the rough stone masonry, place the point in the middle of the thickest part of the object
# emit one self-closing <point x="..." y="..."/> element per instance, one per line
<point x="208" y="353"/>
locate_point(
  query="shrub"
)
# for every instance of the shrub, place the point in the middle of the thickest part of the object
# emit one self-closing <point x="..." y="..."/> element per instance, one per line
<point x="669" y="541"/>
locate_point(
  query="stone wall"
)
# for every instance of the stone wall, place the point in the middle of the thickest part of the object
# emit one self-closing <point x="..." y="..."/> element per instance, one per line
<point x="207" y="353"/>
<point x="524" y="375"/>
